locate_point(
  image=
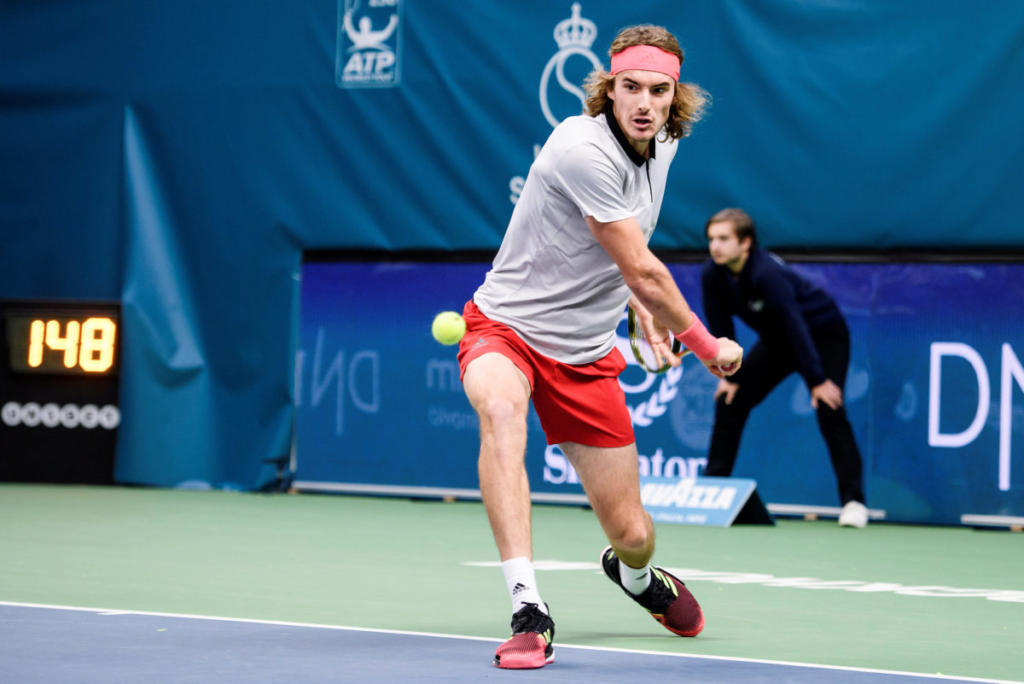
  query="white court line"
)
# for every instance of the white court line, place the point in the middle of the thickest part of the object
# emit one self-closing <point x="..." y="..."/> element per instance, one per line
<point x="312" y="625"/>
<point x="767" y="580"/>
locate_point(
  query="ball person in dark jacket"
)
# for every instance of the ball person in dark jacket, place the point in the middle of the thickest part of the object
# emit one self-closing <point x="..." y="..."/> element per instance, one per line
<point x="800" y="329"/>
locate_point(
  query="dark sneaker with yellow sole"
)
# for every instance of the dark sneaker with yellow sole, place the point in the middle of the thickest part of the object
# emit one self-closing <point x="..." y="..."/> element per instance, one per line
<point x="666" y="598"/>
<point x="531" y="644"/>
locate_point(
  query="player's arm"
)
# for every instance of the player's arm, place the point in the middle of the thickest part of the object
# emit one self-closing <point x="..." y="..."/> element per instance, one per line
<point x="646" y="276"/>
<point x="654" y="287"/>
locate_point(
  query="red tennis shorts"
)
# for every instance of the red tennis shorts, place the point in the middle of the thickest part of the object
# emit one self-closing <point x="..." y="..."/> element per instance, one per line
<point x="583" y="404"/>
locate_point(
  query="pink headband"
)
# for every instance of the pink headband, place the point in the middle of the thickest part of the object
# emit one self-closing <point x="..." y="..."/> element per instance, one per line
<point x="646" y="58"/>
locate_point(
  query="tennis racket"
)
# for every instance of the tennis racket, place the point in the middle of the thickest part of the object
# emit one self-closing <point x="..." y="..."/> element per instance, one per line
<point x="642" y="351"/>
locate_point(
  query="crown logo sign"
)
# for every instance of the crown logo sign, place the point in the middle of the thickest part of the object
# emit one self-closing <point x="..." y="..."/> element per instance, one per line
<point x="575" y="31"/>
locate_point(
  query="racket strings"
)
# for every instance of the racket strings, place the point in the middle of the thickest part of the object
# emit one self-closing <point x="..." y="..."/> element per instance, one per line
<point x="643" y="352"/>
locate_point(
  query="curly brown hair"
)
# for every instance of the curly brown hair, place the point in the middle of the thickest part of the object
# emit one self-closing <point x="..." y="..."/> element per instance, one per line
<point x="690" y="99"/>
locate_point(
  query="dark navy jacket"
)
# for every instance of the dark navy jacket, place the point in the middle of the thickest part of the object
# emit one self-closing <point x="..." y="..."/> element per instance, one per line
<point x="776" y="302"/>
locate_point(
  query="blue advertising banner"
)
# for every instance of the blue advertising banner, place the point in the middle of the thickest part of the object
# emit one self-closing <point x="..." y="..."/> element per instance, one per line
<point x="142" y="140"/>
<point x="379" y="401"/>
<point x="933" y="380"/>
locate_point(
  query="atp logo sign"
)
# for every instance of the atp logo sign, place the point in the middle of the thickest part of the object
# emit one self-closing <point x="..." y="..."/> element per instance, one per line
<point x="369" y="44"/>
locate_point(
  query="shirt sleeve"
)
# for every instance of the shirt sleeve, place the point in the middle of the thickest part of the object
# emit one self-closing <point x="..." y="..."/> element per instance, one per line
<point x="714" y="295"/>
<point x="781" y="301"/>
<point x="591" y="180"/>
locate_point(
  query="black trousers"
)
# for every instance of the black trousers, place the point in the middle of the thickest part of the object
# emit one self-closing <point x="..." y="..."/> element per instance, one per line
<point x="764" y="367"/>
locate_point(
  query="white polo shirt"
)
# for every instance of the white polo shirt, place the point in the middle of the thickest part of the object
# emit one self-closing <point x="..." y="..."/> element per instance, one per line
<point x="551" y="281"/>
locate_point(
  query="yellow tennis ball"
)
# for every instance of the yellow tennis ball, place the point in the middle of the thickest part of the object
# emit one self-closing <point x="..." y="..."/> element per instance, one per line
<point x="448" y="327"/>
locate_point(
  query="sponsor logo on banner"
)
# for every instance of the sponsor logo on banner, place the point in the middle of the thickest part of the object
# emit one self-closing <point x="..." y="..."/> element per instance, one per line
<point x="369" y="43"/>
<point x="442" y="381"/>
<point x="1011" y="374"/>
<point x="682" y="494"/>
<point x="348" y="380"/>
<point x="68" y="416"/>
<point x="558" y="470"/>
<point x="695" y="501"/>
<point x="567" y="68"/>
<point x="574" y="36"/>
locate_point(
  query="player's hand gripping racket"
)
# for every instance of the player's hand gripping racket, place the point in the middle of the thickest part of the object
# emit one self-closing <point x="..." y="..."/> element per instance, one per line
<point x="642" y="350"/>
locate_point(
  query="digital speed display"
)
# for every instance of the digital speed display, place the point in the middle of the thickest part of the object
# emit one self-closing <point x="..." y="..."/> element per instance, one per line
<point x="71" y="339"/>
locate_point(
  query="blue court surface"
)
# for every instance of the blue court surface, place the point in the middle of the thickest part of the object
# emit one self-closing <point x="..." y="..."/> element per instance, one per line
<point x="41" y="643"/>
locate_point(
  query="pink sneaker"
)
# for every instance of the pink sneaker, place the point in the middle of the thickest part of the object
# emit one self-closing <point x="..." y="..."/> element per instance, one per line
<point x="531" y="643"/>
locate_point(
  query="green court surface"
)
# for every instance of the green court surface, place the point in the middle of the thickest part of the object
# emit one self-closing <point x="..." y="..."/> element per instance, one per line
<point x="892" y="597"/>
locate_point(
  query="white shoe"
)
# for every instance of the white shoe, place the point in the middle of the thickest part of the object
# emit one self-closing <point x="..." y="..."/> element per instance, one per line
<point x="854" y="514"/>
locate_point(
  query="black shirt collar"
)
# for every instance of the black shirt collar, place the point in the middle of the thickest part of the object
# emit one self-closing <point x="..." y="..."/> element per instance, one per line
<point x="613" y="124"/>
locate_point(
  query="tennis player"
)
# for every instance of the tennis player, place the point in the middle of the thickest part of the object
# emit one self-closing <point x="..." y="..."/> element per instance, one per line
<point x="542" y="326"/>
<point x="800" y="330"/>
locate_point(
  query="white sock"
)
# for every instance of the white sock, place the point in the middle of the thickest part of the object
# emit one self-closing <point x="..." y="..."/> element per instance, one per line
<point x="521" y="583"/>
<point x="634" y="580"/>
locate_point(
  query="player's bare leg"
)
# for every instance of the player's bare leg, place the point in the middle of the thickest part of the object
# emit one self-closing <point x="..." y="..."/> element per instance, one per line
<point x="500" y="395"/>
<point x="610" y="477"/>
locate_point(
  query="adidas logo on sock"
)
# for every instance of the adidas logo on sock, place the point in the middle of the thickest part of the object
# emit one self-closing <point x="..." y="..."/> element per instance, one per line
<point x="520" y="587"/>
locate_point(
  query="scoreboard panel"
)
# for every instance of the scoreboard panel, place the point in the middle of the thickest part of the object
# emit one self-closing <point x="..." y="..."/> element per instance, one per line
<point x="59" y="390"/>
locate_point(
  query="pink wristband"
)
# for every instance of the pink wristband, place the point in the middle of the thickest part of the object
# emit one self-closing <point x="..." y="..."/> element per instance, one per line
<point x="698" y="340"/>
